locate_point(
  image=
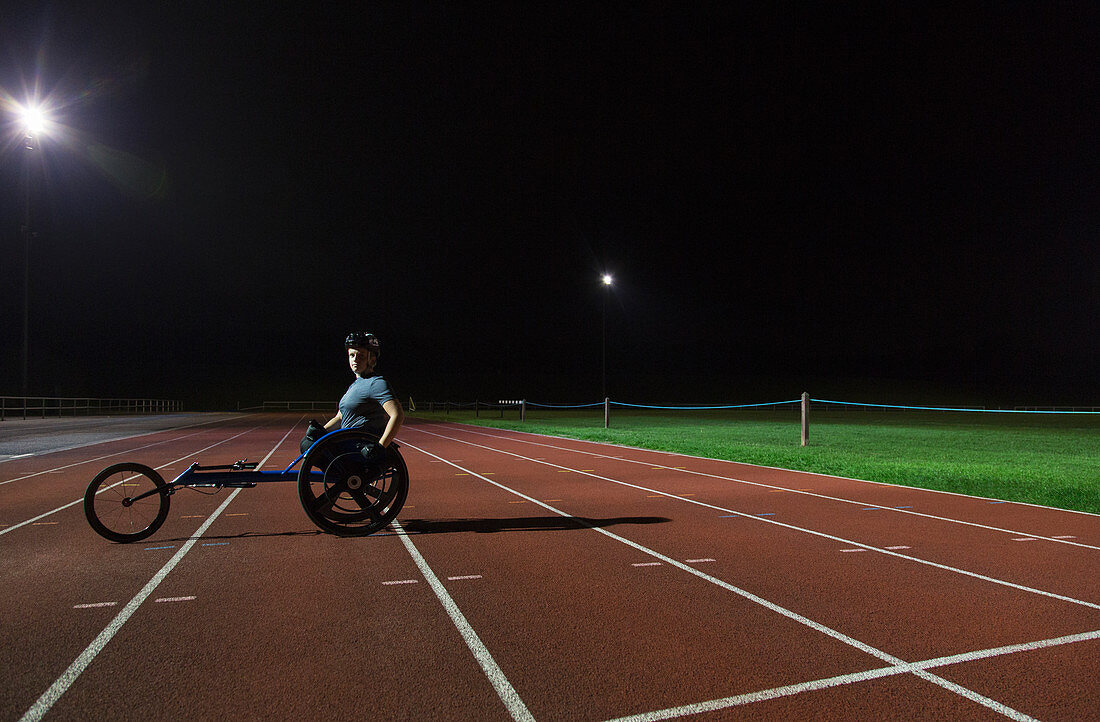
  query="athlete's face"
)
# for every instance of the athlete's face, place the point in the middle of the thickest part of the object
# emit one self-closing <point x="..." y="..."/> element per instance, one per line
<point x="362" y="360"/>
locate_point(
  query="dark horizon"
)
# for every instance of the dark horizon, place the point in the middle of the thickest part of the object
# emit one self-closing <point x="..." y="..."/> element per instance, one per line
<point x="889" y="202"/>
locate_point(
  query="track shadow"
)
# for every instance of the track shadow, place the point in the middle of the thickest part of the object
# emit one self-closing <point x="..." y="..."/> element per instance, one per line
<point x="246" y="535"/>
<point x="530" y="523"/>
<point x="451" y="526"/>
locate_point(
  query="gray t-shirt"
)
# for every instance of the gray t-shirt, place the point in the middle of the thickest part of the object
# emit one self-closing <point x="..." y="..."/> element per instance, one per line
<point x="361" y="405"/>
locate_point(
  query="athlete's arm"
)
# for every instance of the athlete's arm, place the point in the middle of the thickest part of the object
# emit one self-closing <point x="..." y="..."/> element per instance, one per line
<point x="397" y="417"/>
<point x="334" y="421"/>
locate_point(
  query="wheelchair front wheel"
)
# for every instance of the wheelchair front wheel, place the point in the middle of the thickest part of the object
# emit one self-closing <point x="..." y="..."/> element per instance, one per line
<point x="109" y="505"/>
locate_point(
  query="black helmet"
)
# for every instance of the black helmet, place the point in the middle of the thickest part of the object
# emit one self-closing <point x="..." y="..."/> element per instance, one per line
<point x="361" y="339"/>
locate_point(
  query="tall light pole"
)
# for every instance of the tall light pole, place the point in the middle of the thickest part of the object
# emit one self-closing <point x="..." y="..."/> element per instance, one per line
<point x="34" y="123"/>
<point x="607" y="281"/>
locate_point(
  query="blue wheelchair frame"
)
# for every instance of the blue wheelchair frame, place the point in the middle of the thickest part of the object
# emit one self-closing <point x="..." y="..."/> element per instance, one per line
<point x="240" y="474"/>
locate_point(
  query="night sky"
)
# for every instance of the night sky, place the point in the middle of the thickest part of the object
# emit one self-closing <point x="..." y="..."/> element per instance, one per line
<point x="889" y="202"/>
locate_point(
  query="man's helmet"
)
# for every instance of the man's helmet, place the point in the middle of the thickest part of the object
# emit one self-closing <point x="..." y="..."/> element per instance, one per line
<point x="361" y="339"/>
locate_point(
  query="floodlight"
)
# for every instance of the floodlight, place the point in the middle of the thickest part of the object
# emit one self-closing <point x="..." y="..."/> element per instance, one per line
<point x="34" y="120"/>
<point x="607" y="279"/>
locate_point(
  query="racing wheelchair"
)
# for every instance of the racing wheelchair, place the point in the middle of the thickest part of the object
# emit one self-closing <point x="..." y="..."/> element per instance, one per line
<point x="340" y="490"/>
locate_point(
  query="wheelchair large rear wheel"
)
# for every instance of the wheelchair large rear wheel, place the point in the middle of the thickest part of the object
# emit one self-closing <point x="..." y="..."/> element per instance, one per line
<point x="341" y="493"/>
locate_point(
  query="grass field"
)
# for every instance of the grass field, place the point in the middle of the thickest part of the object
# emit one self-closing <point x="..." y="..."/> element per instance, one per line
<point x="1052" y="460"/>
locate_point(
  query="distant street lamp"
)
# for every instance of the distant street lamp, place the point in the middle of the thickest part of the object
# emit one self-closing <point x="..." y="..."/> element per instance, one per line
<point x="34" y="123"/>
<point x="607" y="281"/>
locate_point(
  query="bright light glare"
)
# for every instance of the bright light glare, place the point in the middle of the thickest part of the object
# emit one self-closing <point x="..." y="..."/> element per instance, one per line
<point x="34" y="120"/>
<point x="607" y="279"/>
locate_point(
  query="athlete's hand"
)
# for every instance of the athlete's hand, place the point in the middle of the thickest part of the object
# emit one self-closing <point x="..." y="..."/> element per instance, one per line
<point x="313" y="432"/>
<point x="374" y="452"/>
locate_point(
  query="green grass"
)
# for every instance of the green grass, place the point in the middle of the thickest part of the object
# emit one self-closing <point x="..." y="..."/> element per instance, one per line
<point x="1052" y="460"/>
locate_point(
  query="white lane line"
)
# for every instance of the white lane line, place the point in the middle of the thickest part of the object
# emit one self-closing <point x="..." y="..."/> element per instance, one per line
<point x="646" y="564"/>
<point x="465" y="576"/>
<point x="479" y="430"/>
<point x="175" y="599"/>
<point x="1026" y="538"/>
<point x="402" y="581"/>
<point x="122" y="438"/>
<point x="94" y="605"/>
<point x="766" y="520"/>
<point x="845" y="679"/>
<point x="898" y="547"/>
<point x="699" y="561"/>
<point x="1064" y="536"/>
<point x="98" y="458"/>
<point x="806" y="621"/>
<point x="108" y="456"/>
<point x="13" y="527"/>
<point x="1007" y="649"/>
<point x="853" y="550"/>
<point x="807" y="492"/>
<point x="43" y="704"/>
<point x="503" y="687"/>
<point x="62" y="683"/>
<point x="761" y="696"/>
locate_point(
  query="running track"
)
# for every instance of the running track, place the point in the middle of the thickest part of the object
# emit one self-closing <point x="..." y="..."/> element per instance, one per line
<point x="530" y="577"/>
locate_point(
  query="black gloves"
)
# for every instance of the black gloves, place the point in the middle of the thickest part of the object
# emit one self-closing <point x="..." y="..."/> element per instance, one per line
<point x="313" y="432"/>
<point x="374" y="453"/>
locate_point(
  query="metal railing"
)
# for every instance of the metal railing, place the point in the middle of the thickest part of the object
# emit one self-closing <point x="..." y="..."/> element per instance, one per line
<point x="291" y="406"/>
<point x="1063" y="409"/>
<point x="24" y="407"/>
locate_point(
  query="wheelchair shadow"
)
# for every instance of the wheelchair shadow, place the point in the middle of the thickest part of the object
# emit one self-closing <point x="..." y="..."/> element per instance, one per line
<point x="247" y="535"/>
<point x="454" y="526"/>
<point x="531" y="523"/>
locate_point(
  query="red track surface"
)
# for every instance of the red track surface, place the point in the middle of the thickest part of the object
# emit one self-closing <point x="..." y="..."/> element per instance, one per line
<point x="545" y="578"/>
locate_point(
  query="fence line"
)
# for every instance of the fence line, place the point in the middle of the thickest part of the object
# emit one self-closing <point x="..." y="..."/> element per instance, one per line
<point x="43" y="406"/>
<point x="805" y="405"/>
<point x="975" y="409"/>
<point x="290" y="406"/>
<point x="433" y="406"/>
<point x="1060" y="409"/>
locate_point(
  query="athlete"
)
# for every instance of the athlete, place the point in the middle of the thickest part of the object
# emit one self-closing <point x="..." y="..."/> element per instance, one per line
<point x="368" y="403"/>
